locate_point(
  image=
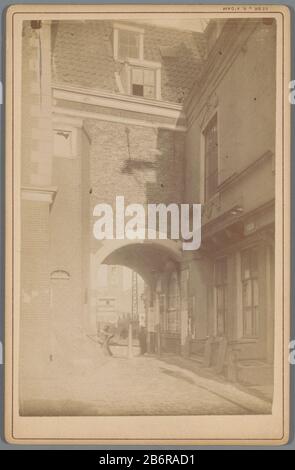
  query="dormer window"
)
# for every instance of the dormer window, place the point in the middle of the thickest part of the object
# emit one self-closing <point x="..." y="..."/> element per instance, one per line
<point x="143" y="82"/>
<point x="128" y="42"/>
<point x="137" y="76"/>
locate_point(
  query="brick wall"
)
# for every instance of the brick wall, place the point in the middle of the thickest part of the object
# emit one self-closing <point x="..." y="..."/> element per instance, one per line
<point x="144" y="165"/>
<point x="35" y="287"/>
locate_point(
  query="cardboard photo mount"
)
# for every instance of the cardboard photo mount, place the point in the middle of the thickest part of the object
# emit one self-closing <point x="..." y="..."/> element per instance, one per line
<point x="270" y="429"/>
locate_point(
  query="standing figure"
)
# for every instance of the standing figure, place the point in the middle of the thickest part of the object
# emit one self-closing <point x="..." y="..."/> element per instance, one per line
<point x="142" y="340"/>
<point x="108" y="335"/>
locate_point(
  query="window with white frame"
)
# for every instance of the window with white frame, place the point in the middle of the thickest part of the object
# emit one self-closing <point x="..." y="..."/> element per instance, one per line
<point x="143" y="82"/>
<point x="211" y="157"/>
<point x="162" y="308"/>
<point x="137" y="77"/>
<point x="221" y="293"/>
<point x="128" y="42"/>
<point x="250" y="296"/>
<point x="173" y="313"/>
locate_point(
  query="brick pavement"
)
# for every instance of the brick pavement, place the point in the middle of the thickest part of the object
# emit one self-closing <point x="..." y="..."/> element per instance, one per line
<point x="100" y="385"/>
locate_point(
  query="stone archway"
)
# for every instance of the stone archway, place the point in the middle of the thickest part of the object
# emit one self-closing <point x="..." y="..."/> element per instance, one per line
<point x="149" y="258"/>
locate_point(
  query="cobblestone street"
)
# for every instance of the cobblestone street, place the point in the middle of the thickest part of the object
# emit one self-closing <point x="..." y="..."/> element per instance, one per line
<point x="141" y="385"/>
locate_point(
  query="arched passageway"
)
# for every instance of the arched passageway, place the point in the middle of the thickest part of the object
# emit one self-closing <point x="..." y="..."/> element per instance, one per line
<point x="157" y="262"/>
<point x="121" y="311"/>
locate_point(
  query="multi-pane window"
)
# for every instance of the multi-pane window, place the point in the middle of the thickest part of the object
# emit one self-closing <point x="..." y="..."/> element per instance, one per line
<point x="143" y="81"/>
<point x="137" y="76"/>
<point x="162" y="305"/>
<point x="211" y="158"/>
<point x="173" y="313"/>
<point x="250" y="297"/>
<point x="129" y="44"/>
<point x="221" y="291"/>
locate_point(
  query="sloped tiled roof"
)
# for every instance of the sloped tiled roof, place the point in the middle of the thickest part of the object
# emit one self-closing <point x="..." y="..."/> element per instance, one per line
<point x="83" y="56"/>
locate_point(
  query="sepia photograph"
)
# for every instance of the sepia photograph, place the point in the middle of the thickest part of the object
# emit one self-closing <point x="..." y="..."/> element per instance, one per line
<point x="148" y="235"/>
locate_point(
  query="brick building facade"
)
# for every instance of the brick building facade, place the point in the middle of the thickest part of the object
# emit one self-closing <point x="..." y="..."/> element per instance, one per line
<point x="156" y="115"/>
